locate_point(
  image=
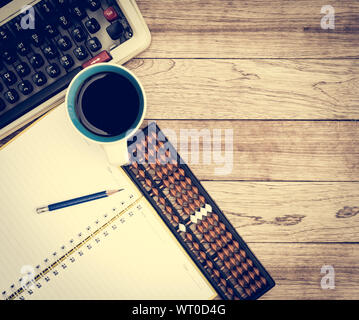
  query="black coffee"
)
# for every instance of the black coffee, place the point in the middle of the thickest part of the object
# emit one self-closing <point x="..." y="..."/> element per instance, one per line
<point x="107" y="104"/>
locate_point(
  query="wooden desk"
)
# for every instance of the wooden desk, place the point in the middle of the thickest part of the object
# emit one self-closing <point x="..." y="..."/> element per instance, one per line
<point x="290" y="92"/>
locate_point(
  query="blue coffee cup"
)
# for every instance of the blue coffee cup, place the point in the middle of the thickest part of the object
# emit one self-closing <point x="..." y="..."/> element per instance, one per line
<point x="115" y="146"/>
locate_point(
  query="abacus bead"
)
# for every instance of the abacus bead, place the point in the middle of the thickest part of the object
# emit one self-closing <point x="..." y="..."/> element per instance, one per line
<point x="246" y="278"/>
<point x="203" y="255"/>
<point x="189" y="236"/>
<point x="263" y="280"/>
<point x="234" y="273"/>
<point x="251" y="275"/>
<point x="216" y="273"/>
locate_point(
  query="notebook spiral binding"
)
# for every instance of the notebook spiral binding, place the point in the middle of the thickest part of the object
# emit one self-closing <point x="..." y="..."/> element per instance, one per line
<point x="194" y="218"/>
<point x="69" y="253"/>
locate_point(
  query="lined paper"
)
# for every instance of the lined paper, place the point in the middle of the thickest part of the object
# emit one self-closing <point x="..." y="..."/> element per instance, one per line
<point x="139" y="259"/>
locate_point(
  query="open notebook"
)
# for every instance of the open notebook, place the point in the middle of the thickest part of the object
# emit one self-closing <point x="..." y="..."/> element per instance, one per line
<point x="112" y="248"/>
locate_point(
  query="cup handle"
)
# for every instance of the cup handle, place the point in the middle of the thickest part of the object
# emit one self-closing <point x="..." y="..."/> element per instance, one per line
<point x="117" y="153"/>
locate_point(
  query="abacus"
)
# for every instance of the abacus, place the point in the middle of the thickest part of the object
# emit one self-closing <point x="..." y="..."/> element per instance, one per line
<point x="194" y="218"/>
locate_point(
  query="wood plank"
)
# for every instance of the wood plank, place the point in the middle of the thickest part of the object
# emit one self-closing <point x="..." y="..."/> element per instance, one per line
<point x="296" y="269"/>
<point x="249" y="89"/>
<point x="270" y="150"/>
<point x="247" y="29"/>
<point x="290" y="211"/>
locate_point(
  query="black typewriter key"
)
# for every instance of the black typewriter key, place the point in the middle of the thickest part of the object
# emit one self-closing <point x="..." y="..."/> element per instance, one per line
<point x="2" y="105"/>
<point x="64" y="21"/>
<point x="49" y="51"/>
<point x="94" y="44"/>
<point x="77" y="11"/>
<point x="51" y="31"/>
<point x="8" y="56"/>
<point x="78" y="34"/>
<point x="25" y="87"/>
<point x="93" y="5"/>
<point x="5" y="35"/>
<point x="115" y="30"/>
<point x="22" y="48"/>
<point x="81" y="53"/>
<point x="53" y="70"/>
<point x="39" y="79"/>
<point x="46" y="9"/>
<point x="36" y="61"/>
<point x="11" y="96"/>
<point x="9" y="78"/>
<point x="22" y="69"/>
<point x="92" y="25"/>
<point x="16" y="28"/>
<point x="64" y="43"/>
<point x="62" y="4"/>
<point x="36" y="39"/>
<point x="66" y="61"/>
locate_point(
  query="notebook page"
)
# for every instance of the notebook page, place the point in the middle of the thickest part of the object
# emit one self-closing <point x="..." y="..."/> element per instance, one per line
<point x="48" y="163"/>
<point x="146" y="264"/>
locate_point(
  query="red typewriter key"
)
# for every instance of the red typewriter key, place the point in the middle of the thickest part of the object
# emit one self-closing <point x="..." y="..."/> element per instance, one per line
<point x="110" y="14"/>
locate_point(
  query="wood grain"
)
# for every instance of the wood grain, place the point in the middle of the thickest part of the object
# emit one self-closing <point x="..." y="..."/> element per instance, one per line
<point x="290" y="212"/>
<point x="249" y="89"/>
<point x="249" y="29"/>
<point x="272" y="150"/>
<point x="296" y="269"/>
<point x="266" y="70"/>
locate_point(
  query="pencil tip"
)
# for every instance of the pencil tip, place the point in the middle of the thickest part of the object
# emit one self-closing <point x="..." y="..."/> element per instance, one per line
<point x="111" y="192"/>
<point x="42" y="210"/>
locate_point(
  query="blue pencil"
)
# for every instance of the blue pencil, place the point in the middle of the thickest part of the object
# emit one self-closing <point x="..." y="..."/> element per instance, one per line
<point x="72" y="202"/>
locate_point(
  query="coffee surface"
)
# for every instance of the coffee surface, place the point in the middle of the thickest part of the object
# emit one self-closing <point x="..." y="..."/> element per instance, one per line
<point x="107" y="104"/>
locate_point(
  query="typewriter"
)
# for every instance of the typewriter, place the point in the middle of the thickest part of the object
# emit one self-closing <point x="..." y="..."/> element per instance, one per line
<point x="44" y="44"/>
